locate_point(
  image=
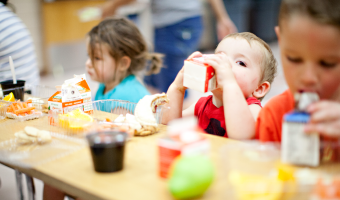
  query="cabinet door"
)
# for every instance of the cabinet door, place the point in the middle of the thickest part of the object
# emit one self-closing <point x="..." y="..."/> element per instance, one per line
<point x="61" y="23"/>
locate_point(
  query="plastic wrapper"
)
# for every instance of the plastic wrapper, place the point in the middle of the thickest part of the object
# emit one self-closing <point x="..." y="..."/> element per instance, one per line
<point x="37" y="94"/>
<point x="29" y="154"/>
<point x="3" y="109"/>
<point x="102" y="118"/>
<point x="254" y="171"/>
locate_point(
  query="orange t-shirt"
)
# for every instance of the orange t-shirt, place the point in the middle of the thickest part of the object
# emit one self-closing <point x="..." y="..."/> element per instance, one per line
<point x="269" y="121"/>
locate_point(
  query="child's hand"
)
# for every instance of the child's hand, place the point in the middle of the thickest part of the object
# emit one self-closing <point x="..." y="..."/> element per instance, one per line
<point x="325" y="118"/>
<point x="222" y="66"/>
<point x="178" y="82"/>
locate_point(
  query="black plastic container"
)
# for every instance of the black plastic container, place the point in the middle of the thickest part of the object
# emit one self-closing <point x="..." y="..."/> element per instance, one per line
<point x="17" y="89"/>
<point x="107" y="150"/>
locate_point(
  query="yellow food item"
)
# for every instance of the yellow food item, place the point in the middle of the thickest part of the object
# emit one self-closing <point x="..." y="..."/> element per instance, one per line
<point x="74" y="120"/>
<point x="256" y="187"/>
<point x="9" y="97"/>
<point x="261" y="187"/>
<point x="285" y="172"/>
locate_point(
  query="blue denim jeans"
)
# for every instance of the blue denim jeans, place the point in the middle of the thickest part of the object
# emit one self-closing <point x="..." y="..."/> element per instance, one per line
<point x="176" y="42"/>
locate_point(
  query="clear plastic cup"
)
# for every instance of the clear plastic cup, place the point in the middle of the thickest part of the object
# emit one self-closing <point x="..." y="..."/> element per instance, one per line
<point x="107" y="149"/>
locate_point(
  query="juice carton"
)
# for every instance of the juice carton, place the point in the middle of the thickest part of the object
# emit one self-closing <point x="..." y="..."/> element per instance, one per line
<point x="298" y="147"/>
<point x="184" y="138"/>
<point x="73" y="92"/>
<point x="198" y="75"/>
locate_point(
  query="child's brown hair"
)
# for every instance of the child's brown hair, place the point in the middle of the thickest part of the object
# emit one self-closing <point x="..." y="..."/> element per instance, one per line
<point x="268" y="63"/>
<point x="124" y="39"/>
<point x="322" y="11"/>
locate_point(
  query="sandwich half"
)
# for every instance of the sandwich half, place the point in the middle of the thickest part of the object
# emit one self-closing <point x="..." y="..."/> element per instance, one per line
<point x="147" y="107"/>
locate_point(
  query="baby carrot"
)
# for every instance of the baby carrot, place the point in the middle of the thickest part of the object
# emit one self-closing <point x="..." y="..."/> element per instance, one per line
<point x="13" y="107"/>
<point x="24" y="105"/>
<point x="23" y="110"/>
<point x="29" y="101"/>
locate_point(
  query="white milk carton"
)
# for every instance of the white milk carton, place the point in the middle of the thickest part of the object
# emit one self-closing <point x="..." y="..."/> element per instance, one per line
<point x="73" y="92"/>
<point x="199" y="76"/>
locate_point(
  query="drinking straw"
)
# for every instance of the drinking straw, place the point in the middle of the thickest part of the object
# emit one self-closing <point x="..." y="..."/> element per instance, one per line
<point x="12" y="69"/>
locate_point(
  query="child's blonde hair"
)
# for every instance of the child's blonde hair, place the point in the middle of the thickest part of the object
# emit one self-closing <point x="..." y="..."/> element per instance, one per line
<point x="268" y="62"/>
<point x="322" y="11"/>
<point x="124" y="39"/>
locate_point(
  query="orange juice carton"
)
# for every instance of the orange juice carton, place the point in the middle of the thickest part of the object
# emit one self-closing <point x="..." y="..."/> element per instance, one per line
<point x="198" y="75"/>
<point x="70" y="96"/>
<point x="184" y="137"/>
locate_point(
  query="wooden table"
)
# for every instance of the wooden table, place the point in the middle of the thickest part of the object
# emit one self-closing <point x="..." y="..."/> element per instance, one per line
<point x="139" y="179"/>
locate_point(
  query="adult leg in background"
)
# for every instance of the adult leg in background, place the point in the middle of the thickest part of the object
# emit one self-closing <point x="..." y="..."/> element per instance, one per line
<point x="176" y="42"/>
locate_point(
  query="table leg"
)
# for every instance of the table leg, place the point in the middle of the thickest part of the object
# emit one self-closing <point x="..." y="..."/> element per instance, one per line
<point x="30" y="187"/>
<point x="18" y="177"/>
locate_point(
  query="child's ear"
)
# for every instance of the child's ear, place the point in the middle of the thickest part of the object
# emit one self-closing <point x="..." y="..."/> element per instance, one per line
<point x="262" y="90"/>
<point x="277" y="31"/>
<point x="124" y="63"/>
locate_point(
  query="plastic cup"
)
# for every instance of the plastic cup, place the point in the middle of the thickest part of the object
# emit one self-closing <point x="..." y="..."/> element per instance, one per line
<point x="107" y="149"/>
<point x="17" y="89"/>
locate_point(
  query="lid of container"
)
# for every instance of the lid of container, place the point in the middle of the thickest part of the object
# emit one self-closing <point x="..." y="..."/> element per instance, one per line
<point x="108" y="137"/>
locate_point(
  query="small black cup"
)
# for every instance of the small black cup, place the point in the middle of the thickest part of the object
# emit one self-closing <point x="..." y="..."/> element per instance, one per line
<point x="17" y="89"/>
<point x="107" y="149"/>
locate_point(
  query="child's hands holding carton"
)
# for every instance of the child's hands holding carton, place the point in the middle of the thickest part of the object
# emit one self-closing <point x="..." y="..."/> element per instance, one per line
<point x="223" y="69"/>
<point x="325" y="118"/>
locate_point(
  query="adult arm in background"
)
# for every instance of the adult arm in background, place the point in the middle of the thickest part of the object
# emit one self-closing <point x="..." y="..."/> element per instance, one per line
<point x="110" y="7"/>
<point x="224" y="24"/>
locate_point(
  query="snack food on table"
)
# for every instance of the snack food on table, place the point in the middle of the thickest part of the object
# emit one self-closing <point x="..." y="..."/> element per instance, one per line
<point x="9" y="97"/>
<point x="38" y="103"/>
<point x="129" y="124"/>
<point x="327" y="187"/>
<point x="32" y="135"/>
<point x="74" y="120"/>
<point x="22" y="111"/>
<point x="280" y="183"/>
<point x="146" y="108"/>
<point x="147" y="130"/>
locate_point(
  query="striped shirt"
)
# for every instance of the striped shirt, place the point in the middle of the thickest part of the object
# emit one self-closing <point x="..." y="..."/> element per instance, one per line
<point x="16" y="41"/>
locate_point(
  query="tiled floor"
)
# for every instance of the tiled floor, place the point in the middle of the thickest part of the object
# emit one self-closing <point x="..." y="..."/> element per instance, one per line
<point x="8" y="187"/>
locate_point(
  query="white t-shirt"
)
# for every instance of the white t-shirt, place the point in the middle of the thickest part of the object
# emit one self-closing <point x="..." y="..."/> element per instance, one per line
<point x="168" y="12"/>
<point x="16" y="41"/>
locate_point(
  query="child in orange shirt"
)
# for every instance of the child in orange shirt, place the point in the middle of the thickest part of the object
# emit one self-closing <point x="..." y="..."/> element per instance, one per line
<point x="309" y="40"/>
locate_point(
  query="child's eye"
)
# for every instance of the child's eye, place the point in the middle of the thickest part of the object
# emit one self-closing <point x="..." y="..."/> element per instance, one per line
<point x="327" y="64"/>
<point x="294" y="60"/>
<point x="241" y="63"/>
<point x="97" y="58"/>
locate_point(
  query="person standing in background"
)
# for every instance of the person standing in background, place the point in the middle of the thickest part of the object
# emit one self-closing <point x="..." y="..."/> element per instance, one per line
<point x="178" y="28"/>
<point x="16" y="41"/>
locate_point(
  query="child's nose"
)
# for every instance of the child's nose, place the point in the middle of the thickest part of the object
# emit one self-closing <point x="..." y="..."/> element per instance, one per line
<point x="309" y="75"/>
